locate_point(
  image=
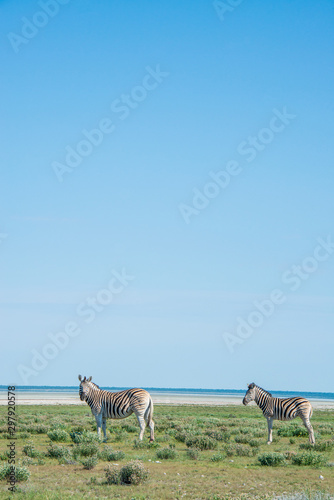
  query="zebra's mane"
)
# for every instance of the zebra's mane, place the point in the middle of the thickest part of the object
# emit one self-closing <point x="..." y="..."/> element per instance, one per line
<point x="95" y="385"/>
<point x="267" y="392"/>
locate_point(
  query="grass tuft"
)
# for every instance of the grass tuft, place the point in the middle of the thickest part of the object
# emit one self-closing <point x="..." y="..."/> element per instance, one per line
<point x="133" y="472"/>
<point x="271" y="459"/>
<point x="166" y="453"/>
<point x="312" y="459"/>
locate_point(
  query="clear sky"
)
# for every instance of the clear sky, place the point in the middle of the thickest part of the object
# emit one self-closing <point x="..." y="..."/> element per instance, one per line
<point x="167" y="193"/>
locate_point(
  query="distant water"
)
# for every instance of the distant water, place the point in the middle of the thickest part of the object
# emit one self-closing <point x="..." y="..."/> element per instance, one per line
<point x="61" y="391"/>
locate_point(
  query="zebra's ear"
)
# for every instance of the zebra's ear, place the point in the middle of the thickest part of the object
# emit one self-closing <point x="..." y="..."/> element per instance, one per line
<point x="80" y="377"/>
<point x="89" y="379"/>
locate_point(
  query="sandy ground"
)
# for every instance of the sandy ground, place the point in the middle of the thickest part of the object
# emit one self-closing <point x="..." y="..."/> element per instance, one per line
<point x="163" y="399"/>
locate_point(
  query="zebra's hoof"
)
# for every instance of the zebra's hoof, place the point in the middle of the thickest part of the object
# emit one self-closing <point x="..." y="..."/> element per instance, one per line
<point x="268" y="442"/>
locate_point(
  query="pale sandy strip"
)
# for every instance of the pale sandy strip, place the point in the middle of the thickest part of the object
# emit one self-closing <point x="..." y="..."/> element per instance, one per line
<point x="158" y="399"/>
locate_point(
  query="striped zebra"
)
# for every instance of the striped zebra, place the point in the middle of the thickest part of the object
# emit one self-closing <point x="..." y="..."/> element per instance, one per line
<point x="280" y="409"/>
<point x="106" y="404"/>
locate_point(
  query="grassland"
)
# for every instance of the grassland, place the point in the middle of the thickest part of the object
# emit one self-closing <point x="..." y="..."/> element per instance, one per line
<point x="200" y="453"/>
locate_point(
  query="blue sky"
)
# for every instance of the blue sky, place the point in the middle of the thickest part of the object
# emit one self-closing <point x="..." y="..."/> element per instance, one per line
<point x="198" y="91"/>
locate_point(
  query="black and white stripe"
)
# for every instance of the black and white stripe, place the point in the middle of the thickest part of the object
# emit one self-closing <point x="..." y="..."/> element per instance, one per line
<point x="106" y="404"/>
<point x="280" y="408"/>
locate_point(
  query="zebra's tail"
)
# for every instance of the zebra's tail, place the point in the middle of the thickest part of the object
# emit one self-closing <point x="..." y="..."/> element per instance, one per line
<point x="149" y="412"/>
<point x="149" y="418"/>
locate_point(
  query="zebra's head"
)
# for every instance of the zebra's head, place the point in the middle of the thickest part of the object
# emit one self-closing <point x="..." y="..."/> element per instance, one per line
<point x="250" y="394"/>
<point x="84" y="387"/>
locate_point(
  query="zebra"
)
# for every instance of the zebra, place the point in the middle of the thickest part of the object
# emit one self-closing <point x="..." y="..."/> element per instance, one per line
<point x="106" y="404"/>
<point x="280" y="409"/>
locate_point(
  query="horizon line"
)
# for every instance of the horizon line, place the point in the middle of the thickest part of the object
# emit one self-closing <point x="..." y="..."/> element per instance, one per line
<point x="2" y="387"/>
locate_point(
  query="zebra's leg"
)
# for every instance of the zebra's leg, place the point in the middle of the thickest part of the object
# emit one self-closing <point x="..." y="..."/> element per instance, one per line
<point x="142" y="425"/>
<point x="270" y="421"/>
<point x="151" y="426"/>
<point x="309" y="427"/>
<point x="104" y="428"/>
<point x="98" y="419"/>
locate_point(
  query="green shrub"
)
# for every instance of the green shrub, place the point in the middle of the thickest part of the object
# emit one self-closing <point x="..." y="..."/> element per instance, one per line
<point x="289" y="454"/>
<point x="166" y="453"/>
<point x="242" y="450"/>
<point x="230" y="450"/>
<point x="78" y="429"/>
<point x="23" y="435"/>
<point x="129" y="428"/>
<point x="246" y="430"/>
<point x="112" y="474"/>
<point x="133" y="472"/>
<point x="57" y="424"/>
<point x="292" y="431"/>
<point x="242" y="439"/>
<point x="206" y="421"/>
<point x="6" y="471"/>
<point x="169" y="432"/>
<point x="325" y="429"/>
<point x="163" y="439"/>
<point x="218" y="457"/>
<point x="58" y="451"/>
<point x="299" y="431"/>
<point x="76" y="436"/>
<point x="30" y="450"/>
<point x="84" y="437"/>
<point x="119" y="434"/>
<point x="313" y="459"/>
<point x="21" y="473"/>
<point x="193" y="453"/>
<point x="322" y="446"/>
<point x="219" y="436"/>
<point x="37" y="429"/>
<point x="90" y="462"/>
<point x="27" y="461"/>
<point x="5" y="455"/>
<point x="30" y="461"/>
<point x="139" y="445"/>
<point x="259" y="434"/>
<point x="85" y="450"/>
<point x="182" y="436"/>
<point x="109" y="455"/>
<point x="271" y="459"/>
<point x="201" y="442"/>
<point x="58" y="435"/>
<point x="5" y="435"/>
<point x="254" y="443"/>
